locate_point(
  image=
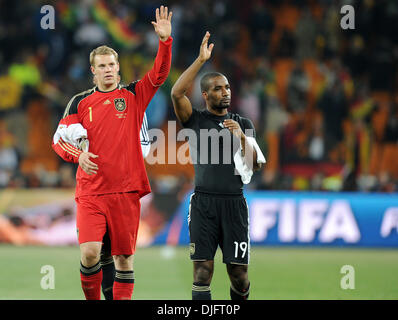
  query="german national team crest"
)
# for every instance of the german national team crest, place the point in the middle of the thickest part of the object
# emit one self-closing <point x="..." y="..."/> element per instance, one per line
<point x="120" y="104"/>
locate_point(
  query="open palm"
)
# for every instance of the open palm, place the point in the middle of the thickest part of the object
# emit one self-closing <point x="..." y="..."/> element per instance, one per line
<point x="205" y="49"/>
<point x="163" y="23"/>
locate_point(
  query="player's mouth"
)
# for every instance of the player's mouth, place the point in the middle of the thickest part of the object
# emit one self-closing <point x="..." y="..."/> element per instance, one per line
<point x="226" y="100"/>
<point x="109" y="77"/>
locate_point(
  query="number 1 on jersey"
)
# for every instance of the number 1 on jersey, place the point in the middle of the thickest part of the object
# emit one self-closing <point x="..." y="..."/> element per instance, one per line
<point x="90" y="109"/>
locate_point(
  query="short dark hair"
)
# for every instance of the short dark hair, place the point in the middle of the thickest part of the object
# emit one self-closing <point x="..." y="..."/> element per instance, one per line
<point x="204" y="81"/>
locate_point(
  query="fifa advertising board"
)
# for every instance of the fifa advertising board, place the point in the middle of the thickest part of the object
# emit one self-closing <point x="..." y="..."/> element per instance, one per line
<point x="308" y="218"/>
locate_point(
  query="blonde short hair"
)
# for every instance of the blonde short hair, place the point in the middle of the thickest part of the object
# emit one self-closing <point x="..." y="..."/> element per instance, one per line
<point x="102" y="50"/>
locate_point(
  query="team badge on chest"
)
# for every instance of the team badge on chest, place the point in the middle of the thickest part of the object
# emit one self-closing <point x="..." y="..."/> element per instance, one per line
<point x="120" y="104"/>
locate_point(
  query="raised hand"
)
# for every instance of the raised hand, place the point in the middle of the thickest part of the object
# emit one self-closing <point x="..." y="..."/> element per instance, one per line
<point x="163" y="23"/>
<point x="205" y="50"/>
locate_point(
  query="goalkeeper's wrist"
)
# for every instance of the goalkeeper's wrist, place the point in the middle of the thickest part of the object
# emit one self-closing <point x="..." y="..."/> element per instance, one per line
<point x="78" y="157"/>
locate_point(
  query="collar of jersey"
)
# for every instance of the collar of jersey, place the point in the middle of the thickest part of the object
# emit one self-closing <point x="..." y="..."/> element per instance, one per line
<point x="216" y="117"/>
<point x="97" y="89"/>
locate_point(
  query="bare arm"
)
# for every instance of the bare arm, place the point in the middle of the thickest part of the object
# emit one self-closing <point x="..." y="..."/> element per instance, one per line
<point x="250" y="151"/>
<point x="181" y="103"/>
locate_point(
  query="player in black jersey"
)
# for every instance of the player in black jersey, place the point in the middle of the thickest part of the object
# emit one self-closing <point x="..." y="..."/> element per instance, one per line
<point x="224" y="146"/>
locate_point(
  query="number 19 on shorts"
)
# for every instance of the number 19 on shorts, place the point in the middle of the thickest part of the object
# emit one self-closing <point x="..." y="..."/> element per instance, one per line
<point x="240" y="249"/>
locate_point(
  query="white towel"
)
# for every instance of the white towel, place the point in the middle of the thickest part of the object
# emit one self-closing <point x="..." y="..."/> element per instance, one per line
<point x="73" y="134"/>
<point x="76" y="135"/>
<point x="240" y="165"/>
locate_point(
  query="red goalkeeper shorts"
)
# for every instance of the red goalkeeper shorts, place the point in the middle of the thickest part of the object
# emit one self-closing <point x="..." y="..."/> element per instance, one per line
<point x="117" y="213"/>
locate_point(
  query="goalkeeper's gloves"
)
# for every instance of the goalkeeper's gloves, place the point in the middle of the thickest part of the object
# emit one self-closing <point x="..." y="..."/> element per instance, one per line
<point x="83" y="144"/>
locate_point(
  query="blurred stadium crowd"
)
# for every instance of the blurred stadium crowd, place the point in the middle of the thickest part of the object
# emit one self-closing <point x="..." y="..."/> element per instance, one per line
<point x="323" y="100"/>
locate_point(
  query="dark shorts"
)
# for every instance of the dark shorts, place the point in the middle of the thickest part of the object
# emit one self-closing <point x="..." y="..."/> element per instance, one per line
<point x="218" y="220"/>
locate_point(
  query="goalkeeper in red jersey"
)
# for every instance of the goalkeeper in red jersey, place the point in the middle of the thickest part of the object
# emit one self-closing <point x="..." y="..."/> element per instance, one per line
<point x="100" y="130"/>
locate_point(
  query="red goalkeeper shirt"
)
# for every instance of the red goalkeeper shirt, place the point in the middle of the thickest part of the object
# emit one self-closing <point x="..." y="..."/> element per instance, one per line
<point x="113" y="121"/>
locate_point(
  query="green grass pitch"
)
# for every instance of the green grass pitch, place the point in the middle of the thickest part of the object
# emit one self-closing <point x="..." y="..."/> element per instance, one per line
<point x="164" y="273"/>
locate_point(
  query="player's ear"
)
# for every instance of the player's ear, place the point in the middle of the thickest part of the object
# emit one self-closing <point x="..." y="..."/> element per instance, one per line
<point x="92" y="70"/>
<point x="205" y="95"/>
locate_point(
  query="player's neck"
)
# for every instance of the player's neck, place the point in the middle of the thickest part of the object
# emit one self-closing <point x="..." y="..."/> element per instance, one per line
<point x="217" y="111"/>
<point x="103" y="88"/>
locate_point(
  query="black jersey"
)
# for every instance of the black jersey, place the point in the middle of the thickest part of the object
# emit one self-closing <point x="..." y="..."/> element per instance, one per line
<point x="212" y="151"/>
